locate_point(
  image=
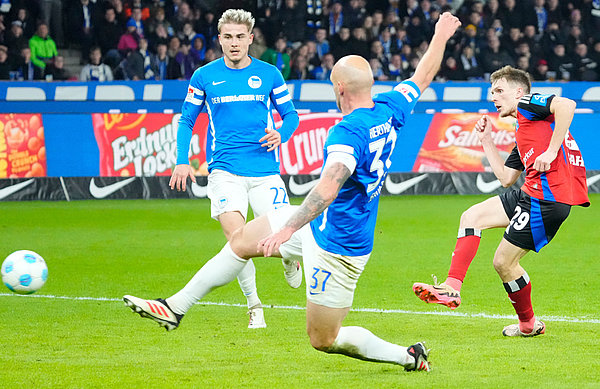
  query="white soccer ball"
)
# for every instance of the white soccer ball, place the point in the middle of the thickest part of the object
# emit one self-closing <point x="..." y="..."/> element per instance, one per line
<point x="24" y="272"/>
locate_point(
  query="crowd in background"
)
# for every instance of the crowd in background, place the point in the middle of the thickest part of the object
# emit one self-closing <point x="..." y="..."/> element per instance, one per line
<point x="169" y="39"/>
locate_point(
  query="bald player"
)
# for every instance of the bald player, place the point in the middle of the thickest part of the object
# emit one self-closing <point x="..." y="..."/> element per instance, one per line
<point x="333" y="230"/>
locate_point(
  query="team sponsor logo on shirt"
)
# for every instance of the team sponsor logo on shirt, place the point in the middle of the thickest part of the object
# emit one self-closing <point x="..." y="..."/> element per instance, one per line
<point x="254" y="82"/>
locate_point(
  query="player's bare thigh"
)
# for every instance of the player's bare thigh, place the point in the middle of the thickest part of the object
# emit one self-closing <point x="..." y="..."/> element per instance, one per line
<point x="244" y="241"/>
<point x="487" y="214"/>
<point x="323" y="324"/>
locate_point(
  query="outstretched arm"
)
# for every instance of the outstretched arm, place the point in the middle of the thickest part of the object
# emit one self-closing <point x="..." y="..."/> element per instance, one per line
<point x="506" y="175"/>
<point x="563" y="110"/>
<point x="432" y="59"/>
<point x="319" y="198"/>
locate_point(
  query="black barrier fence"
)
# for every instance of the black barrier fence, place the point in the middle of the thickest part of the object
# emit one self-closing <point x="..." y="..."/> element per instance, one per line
<point x="86" y="188"/>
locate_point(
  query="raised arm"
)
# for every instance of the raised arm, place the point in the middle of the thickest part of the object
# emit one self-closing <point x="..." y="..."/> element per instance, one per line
<point x="432" y="59"/>
<point x="506" y="175"/>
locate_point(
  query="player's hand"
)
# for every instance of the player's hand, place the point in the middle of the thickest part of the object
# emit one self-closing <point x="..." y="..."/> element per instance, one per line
<point x="483" y="127"/>
<point x="271" y="140"/>
<point x="179" y="177"/>
<point x="271" y="243"/>
<point x="544" y="160"/>
<point x="446" y="25"/>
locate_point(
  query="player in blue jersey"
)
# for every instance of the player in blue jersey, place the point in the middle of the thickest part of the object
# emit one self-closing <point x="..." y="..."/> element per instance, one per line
<point x="333" y="229"/>
<point x="239" y="93"/>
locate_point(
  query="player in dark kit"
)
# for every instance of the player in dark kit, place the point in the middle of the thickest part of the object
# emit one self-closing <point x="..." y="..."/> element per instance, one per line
<point x="555" y="180"/>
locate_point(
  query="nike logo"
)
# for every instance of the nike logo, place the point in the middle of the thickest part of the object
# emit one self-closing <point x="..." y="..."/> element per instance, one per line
<point x="399" y="187"/>
<point x="5" y="192"/>
<point x="313" y="293"/>
<point x="592" y="180"/>
<point x="487" y="187"/>
<point x="102" y="192"/>
<point x="301" y="189"/>
<point x="218" y="82"/>
<point x="198" y="190"/>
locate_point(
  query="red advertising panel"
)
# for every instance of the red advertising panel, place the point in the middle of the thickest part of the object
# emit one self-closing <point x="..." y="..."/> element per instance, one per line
<point x="303" y="152"/>
<point x="22" y="147"/>
<point x="145" y="144"/>
<point x="451" y="144"/>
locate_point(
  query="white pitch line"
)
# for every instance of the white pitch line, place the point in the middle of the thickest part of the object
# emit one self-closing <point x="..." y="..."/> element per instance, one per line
<point x="583" y="319"/>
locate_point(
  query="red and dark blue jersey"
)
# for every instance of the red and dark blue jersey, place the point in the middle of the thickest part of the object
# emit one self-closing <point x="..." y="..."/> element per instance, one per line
<point x="565" y="181"/>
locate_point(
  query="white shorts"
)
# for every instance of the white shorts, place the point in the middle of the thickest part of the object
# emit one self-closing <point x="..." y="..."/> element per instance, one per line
<point x="230" y="193"/>
<point x="330" y="278"/>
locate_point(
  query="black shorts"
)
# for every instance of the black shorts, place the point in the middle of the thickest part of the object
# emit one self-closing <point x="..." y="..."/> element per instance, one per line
<point x="533" y="222"/>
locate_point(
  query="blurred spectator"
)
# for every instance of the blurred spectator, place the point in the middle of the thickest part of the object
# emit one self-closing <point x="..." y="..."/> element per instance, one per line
<point x="560" y="63"/>
<point x="109" y="32"/>
<point x="187" y="32"/>
<point x="299" y="69"/>
<point x="491" y="12"/>
<point x="360" y="45"/>
<point x="172" y="9"/>
<point x="400" y="40"/>
<point x="167" y="67"/>
<point x="494" y="57"/>
<point x="541" y="15"/>
<point x="184" y="15"/>
<point x="43" y="48"/>
<point x="379" y="74"/>
<point x="311" y="55"/>
<point x="377" y="52"/>
<point x="554" y="12"/>
<point x="409" y="70"/>
<point x="574" y="38"/>
<point x="129" y="40"/>
<point x="511" y="15"/>
<point x="470" y="64"/>
<point x="594" y="54"/>
<point x="292" y="19"/>
<point x="15" y="40"/>
<point x="198" y="48"/>
<point x="416" y="31"/>
<point x="81" y="22"/>
<point x="540" y="73"/>
<point x="551" y="38"/>
<point x="395" y="68"/>
<point x="258" y="46"/>
<point x="210" y="56"/>
<point x="55" y="70"/>
<point x="386" y="41"/>
<point x="119" y="11"/>
<point x="336" y="18"/>
<point x="27" y="23"/>
<point x="186" y="59"/>
<point x="4" y="64"/>
<point x="25" y="69"/>
<point x="341" y="44"/>
<point x="314" y="14"/>
<point x="52" y="14"/>
<point x="160" y="34"/>
<point x="354" y="14"/>
<point x="451" y="70"/>
<point x="207" y="26"/>
<point x="510" y="41"/>
<point x="322" y="44"/>
<point x="585" y="67"/>
<point x="471" y="38"/>
<point x="323" y="71"/>
<point x="136" y="17"/>
<point x="173" y="46"/>
<point x="158" y="18"/>
<point x="279" y="57"/>
<point x="523" y="63"/>
<point x="377" y="25"/>
<point x="95" y="70"/>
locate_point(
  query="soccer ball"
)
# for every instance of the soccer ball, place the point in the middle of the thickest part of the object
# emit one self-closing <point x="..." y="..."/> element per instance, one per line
<point x="24" y="272"/>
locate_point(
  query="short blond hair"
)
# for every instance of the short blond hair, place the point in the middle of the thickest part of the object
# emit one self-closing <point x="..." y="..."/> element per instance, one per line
<point x="236" y="16"/>
<point x="512" y="75"/>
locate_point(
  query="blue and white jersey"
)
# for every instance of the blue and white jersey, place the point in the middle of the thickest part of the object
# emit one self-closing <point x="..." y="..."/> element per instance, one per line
<point x="239" y="104"/>
<point x="364" y="142"/>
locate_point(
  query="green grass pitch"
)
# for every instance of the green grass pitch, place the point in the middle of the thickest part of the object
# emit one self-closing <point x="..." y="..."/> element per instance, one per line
<point x="76" y="332"/>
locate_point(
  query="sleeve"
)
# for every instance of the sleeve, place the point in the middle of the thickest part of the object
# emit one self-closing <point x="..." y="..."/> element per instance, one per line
<point x="344" y="146"/>
<point x="514" y="160"/>
<point x="535" y="106"/>
<point x="192" y="105"/>
<point x="282" y="100"/>
<point x="402" y="99"/>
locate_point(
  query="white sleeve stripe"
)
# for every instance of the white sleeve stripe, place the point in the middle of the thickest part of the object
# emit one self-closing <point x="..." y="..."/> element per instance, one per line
<point x="197" y="91"/>
<point x="284" y="99"/>
<point x="280" y="89"/>
<point x="343" y="148"/>
<point x="343" y="158"/>
<point x="194" y="100"/>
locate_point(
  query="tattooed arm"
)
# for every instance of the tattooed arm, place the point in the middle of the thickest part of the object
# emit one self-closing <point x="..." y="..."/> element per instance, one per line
<point x="319" y="198"/>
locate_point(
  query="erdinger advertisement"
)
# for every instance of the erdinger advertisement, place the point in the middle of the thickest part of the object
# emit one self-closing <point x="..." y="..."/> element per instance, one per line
<point x="451" y="144"/>
<point x="22" y="147"/>
<point x="145" y="144"/>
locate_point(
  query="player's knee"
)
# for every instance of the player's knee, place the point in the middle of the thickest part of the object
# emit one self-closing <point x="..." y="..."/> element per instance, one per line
<point x="501" y="264"/>
<point x="468" y="219"/>
<point x="237" y="243"/>
<point x="320" y="341"/>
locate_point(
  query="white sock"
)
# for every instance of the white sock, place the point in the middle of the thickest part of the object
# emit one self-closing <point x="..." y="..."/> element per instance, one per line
<point x="247" y="280"/>
<point x="360" y="343"/>
<point x="218" y="271"/>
